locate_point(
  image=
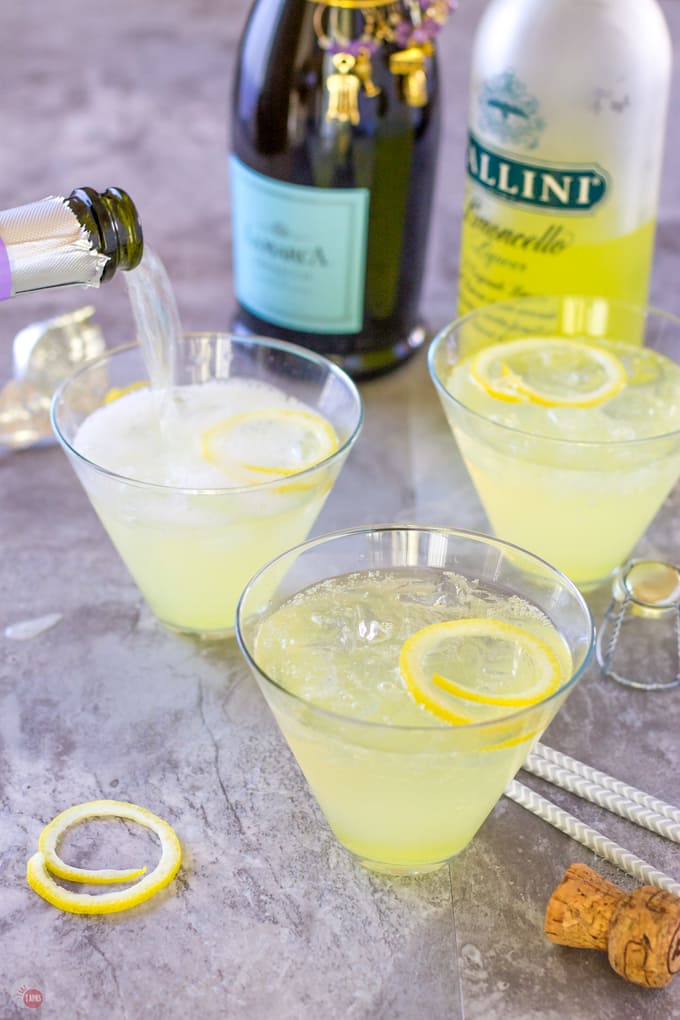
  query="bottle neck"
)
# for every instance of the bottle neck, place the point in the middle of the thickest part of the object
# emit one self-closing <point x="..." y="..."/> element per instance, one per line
<point x="111" y="220"/>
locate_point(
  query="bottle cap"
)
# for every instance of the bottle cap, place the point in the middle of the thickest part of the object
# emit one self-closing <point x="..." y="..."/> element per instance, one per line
<point x="644" y="614"/>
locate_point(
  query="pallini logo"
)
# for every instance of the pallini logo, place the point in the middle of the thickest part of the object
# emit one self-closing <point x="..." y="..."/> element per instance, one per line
<point x="567" y="188"/>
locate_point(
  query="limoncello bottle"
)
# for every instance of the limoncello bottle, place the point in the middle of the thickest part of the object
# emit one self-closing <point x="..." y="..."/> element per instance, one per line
<point x="334" y="144"/>
<point x="83" y="239"/>
<point x="567" y="116"/>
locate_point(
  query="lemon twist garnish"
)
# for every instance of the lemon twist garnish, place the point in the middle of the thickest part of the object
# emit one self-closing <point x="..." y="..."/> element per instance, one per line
<point x="269" y="443"/>
<point x="500" y="666"/>
<point x="550" y="372"/>
<point x="46" y="863"/>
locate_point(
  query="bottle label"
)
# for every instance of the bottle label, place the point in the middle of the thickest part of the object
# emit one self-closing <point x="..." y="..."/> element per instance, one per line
<point x="535" y="223"/>
<point x="541" y="186"/>
<point x="299" y="251"/>
<point x="5" y="273"/>
<point x="533" y="227"/>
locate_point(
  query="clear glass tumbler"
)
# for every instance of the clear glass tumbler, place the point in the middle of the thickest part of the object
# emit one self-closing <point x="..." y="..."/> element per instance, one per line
<point x="191" y="550"/>
<point x="577" y="485"/>
<point x="402" y="798"/>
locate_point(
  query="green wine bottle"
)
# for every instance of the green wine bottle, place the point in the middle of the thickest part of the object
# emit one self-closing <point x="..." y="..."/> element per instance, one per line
<point x="335" y="133"/>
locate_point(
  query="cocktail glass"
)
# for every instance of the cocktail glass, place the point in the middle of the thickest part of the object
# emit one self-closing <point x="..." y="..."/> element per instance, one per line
<point x="581" y="504"/>
<point x="404" y="799"/>
<point x="191" y="550"/>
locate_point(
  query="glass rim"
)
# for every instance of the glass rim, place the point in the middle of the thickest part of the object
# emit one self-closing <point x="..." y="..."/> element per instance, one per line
<point x="255" y="341"/>
<point x="442" y="728"/>
<point x="449" y="329"/>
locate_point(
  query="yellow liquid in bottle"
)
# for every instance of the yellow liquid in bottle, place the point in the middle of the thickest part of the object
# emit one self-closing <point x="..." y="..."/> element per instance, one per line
<point x="509" y="252"/>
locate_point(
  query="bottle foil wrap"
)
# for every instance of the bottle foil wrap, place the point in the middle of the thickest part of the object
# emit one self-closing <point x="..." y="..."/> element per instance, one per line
<point x="46" y="246"/>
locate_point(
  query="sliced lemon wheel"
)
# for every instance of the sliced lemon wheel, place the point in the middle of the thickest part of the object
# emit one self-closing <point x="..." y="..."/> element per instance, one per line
<point x="269" y="443"/>
<point x="474" y="669"/>
<point x="549" y="371"/>
<point x="46" y="863"/>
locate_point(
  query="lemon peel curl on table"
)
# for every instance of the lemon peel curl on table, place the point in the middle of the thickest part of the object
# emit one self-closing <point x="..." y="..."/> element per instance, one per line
<point x="46" y="863"/>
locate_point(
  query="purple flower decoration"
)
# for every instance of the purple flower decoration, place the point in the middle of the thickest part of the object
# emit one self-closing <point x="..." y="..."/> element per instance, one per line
<point x="431" y="27"/>
<point x="355" y="46"/>
<point x="402" y="33"/>
<point x="412" y="29"/>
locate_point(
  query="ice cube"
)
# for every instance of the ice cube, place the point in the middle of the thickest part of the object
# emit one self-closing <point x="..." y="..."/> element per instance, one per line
<point x="44" y="354"/>
<point x="47" y="352"/>
<point x="24" y="415"/>
<point x="23" y="630"/>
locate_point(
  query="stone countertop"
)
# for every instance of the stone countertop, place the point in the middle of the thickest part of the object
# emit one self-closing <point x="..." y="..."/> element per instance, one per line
<point x="269" y="917"/>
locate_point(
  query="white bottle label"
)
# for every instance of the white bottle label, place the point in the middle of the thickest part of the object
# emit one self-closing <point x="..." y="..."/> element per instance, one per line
<point x="536" y="225"/>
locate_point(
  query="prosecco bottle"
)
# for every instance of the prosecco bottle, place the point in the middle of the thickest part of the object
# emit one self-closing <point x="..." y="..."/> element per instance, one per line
<point x="568" y="107"/>
<point x="57" y="242"/>
<point x="335" y="132"/>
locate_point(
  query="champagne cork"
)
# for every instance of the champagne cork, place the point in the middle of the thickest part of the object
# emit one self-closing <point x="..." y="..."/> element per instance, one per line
<point x="640" y="931"/>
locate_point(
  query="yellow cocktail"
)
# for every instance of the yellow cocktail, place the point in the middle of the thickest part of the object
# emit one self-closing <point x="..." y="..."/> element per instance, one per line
<point x="200" y="486"/>
<point x="411" y="671"/>
<point x="566" y="412"/>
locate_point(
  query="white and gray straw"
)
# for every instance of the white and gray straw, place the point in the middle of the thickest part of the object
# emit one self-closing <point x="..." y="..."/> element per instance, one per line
<point x="599" y="788"/>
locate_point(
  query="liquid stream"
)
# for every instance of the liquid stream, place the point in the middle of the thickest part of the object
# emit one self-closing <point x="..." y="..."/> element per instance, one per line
<point x="159" y="331"/>
<point x="47" y="353"/>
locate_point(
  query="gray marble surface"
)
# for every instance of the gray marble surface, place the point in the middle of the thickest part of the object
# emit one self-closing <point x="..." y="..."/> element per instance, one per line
<point x="268" y="918"/>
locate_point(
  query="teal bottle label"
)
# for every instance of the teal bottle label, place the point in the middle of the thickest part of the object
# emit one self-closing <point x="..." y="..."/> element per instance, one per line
<point x="299" y="251"/>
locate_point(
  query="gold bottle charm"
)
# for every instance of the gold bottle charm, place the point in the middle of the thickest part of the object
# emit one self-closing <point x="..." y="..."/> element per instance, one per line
<point x="343" y="89"/>
<point x="410" y="64"/>
<point x="362" y="69"/>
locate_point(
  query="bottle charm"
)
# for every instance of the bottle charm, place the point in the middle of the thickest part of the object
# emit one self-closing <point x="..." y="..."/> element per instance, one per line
<point x="362" y="69"/>
<point x="343" y="90"/>
<point x="405" y="31"/>
<point x="410" y="65"/>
